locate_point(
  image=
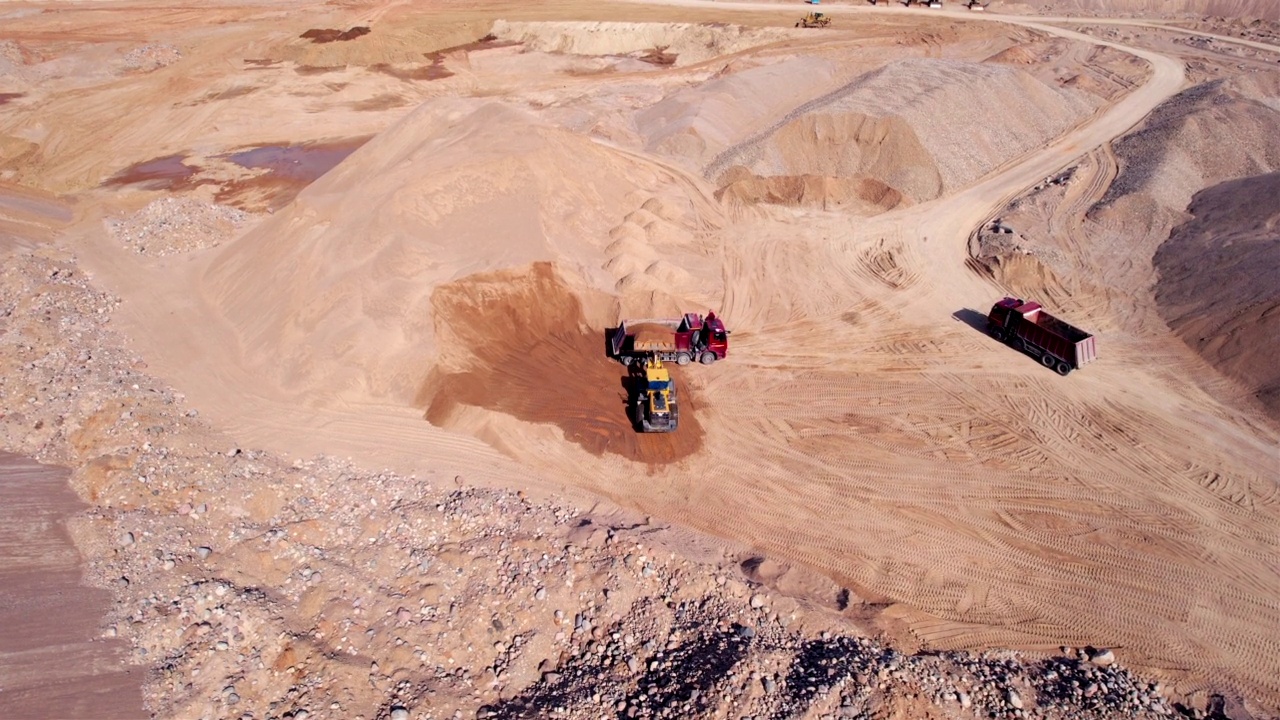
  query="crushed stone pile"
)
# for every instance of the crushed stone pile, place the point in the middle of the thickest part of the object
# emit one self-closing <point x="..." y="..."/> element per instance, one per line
<point x="174" y="225"/>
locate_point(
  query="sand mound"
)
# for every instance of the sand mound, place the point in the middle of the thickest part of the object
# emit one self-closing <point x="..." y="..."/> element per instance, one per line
<point x="698" y="123"/>
<point x="1218" y="288"/>
<point x="334" y="293"/>
<point x="1209" y="133"/>
<point x="688" y="43"/>
<point x="911" y="126"/>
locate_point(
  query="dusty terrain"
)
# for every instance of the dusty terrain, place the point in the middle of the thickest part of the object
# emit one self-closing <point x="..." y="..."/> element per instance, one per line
<point x="316" y="317"/>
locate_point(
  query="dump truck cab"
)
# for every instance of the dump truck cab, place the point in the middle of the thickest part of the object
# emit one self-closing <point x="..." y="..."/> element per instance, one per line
<point x="716" y="338"/>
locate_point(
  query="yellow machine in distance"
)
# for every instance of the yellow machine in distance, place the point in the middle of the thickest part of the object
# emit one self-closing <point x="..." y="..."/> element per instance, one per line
<point x="814" y="19"/>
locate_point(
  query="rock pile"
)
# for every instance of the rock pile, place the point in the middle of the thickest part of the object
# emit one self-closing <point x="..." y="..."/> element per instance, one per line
<point x="174" y="225"/>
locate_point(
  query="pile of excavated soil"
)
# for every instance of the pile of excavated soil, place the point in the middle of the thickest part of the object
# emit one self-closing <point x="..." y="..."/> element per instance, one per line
<point x="1218" y="282"/>
<point x="335" y="292"/>
<point x="1205" y="135"/>
<point x="913" y="127"/>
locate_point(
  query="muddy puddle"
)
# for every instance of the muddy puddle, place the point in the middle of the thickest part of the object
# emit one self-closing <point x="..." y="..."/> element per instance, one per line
<point x="290" y="168"/>
<point x="164" y="173"/>
<point x="6" y="97"/>
<point x="534" y="358"/>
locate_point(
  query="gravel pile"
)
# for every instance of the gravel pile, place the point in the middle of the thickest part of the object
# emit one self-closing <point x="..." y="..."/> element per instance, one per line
<point x="255" y="586"/>
<point x="172" y="226"/>
<point x="152" y="56"/>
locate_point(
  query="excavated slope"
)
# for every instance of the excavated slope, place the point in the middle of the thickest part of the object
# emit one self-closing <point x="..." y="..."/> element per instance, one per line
<point x="1218" y="287"/>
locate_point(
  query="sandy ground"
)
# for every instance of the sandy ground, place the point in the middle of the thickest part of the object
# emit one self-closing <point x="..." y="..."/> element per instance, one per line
<point x="52" y="660"/>
<point x="404" y="248"/>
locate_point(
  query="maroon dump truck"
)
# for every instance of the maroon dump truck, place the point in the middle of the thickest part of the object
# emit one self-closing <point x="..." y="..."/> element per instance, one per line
<point x="1029" y="328"/>
<point x="680" y="340"/>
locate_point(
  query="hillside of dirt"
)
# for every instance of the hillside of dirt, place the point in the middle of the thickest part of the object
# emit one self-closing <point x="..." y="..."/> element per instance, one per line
<point x="318" y="329"/>
<point x="1092" y="229"/>
<point x="1218" y="287"/>
<point x="1260" y="9"/>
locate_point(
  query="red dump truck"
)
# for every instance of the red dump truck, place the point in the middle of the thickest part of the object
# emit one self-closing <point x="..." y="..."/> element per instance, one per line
<point x="680" y="340"/>
<point x="1029" y="328"/>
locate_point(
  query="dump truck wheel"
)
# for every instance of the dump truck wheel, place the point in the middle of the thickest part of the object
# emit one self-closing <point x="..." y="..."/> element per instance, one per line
<point x="1063" y="369"/>
<point x="1018" y="344"/>
<point x="997" y="333"/>
<point x="625" y="360"/>
<point x="707" y="358"/>
<point x="1047" y="360"/>
<point x="683" y="359"/>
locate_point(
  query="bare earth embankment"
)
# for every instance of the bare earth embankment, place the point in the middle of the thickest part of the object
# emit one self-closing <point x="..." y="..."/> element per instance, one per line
<point x="320" y="336"/>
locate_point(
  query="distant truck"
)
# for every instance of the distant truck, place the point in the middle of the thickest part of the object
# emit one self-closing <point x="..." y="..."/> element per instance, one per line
<point x="654" y="408"/>
<point x="682" y="340"/>
<point x="1029" y="328"/>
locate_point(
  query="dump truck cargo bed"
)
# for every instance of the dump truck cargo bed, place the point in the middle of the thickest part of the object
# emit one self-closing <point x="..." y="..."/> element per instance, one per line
<point x="1030" y="328"/>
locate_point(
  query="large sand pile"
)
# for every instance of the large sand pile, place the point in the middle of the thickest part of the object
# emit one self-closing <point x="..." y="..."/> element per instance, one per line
<point x="1218" y="286"/>
<point x="911" y="127"/>
<point x="1208" y="134"/>
<point x="337" y="290"/>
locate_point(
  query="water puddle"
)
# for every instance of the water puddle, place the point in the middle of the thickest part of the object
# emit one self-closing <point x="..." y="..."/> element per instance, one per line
<point x="328" y="35"/>
<point x="164" y="173"/>
<point x="290" y="168"/>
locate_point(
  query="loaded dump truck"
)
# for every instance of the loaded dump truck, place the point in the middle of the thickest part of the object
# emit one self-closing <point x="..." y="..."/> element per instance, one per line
<point x="1029" y="328"/>
<point x="654" y="408"/>
<point x="681" y="340"/>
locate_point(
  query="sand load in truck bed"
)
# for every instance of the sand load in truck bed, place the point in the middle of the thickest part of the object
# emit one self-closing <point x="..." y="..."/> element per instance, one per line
<point x="652" y="336"/>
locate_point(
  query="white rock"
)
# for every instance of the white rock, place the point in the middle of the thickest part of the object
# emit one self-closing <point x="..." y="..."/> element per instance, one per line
<point x="757" y="601"/>
<point x="1015" y="699"/>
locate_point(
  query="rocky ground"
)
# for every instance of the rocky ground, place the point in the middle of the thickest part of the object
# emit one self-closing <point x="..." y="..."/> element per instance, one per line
<point x="256" y="586"/>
